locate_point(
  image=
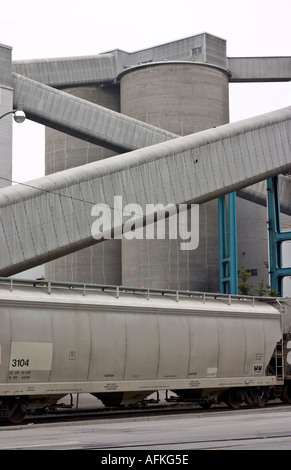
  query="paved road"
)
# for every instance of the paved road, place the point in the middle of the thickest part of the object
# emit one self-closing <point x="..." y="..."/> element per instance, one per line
<point x="260" y="429"/>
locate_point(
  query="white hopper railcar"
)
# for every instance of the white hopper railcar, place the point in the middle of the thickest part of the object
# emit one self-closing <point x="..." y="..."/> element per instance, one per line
<point x="122" y="344"/>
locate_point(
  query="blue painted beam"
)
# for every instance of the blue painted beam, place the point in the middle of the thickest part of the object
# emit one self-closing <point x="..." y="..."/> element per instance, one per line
<point x="276" y="237"/>
<point x="228" y="270"/>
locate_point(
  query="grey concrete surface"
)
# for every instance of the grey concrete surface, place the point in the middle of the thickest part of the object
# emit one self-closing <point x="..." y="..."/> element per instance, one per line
<point x="256" y="429"/>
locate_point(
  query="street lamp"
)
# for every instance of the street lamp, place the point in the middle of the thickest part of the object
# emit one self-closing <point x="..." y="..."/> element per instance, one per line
<point x="18" y="114"/>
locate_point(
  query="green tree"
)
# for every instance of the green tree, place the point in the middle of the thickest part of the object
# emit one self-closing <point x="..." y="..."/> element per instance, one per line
<point x="274" y="293"/>
<point x="262" y="288"/>
<point x="265" y="289"/>
<point x="243" y="286"/>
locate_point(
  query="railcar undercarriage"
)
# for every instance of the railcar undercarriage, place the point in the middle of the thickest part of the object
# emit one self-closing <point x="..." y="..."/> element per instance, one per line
<point x="14" y="409"/>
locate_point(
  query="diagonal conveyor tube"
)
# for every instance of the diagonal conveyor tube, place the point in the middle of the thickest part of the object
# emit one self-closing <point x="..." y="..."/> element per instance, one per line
<point x="102" y="126"/>
<point x="257" y="194"/>
<point x="51" y="217"/>
<point x="83" y="119"/>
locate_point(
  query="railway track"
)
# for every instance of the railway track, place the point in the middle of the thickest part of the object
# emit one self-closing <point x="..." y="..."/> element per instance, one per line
<point x="65" y="415"/>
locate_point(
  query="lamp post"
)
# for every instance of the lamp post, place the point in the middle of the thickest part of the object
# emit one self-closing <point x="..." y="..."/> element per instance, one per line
<point x="18" y="114"/>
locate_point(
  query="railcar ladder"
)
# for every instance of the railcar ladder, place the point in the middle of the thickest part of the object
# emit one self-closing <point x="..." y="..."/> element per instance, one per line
<point x="279" y="360"/>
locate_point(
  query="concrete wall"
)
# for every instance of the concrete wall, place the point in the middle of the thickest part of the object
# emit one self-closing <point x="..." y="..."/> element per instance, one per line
<point x="101" y="263"/>
<point x="6" y="104"/>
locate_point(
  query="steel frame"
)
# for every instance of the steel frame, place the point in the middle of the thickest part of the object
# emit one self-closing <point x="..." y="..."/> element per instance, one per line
<point x="228" y="270"/>
<point x="276" y="237"/>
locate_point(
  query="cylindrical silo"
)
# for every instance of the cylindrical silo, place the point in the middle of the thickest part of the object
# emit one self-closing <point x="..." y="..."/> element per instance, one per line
<point x="99" y="263"/>
<point x="183" y="98"/>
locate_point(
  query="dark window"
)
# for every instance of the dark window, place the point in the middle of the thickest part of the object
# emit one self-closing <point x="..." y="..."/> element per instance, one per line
<point x="197" y="50"/>
<point x="254" y="272"/>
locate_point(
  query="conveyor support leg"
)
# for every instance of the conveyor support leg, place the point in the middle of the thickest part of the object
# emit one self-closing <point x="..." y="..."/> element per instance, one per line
<point x="228" y="272"/>
<point x="276" y="237"/>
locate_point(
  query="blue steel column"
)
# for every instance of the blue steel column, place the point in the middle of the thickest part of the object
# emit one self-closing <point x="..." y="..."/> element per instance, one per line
<point x="228" y="281"/>
<point x="223" y="259"/>
<point x="276" y="237"/>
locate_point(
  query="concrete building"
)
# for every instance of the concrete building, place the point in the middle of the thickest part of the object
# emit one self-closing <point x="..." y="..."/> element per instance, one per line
<point x="180" y="88"/>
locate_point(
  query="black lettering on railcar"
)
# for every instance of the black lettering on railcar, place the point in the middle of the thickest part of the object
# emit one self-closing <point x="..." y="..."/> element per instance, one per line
<point x="20" y="362"/>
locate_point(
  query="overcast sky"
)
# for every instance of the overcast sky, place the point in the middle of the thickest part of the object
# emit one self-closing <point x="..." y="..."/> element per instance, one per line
<point x="63" y="28"/>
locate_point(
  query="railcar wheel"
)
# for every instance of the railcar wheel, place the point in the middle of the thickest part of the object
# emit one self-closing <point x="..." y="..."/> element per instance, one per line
<point x="286" y="394"/>
<point x="263" y="398"/>
<point x="17" y="410"/>
<point x="233" y="399"/>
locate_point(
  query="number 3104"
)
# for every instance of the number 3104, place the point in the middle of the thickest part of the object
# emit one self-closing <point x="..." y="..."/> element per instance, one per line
<point x="20" y="362"/>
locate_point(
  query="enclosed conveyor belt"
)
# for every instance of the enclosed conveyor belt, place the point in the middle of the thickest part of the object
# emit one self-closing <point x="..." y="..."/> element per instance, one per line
<point x="83" y="119"/>
<point x="66" y="72"/>
<point x="51" y="216"/>
<point x="102" y="126"/>
<point x="257" y="193"/>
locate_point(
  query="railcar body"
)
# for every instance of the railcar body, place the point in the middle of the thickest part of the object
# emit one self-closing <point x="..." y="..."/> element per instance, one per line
<point x="122" y="344"/>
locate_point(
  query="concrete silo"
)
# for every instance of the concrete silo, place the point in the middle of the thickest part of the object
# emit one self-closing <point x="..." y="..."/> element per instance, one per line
<point x="99" y="263"/>
<point x="182" y="97"/>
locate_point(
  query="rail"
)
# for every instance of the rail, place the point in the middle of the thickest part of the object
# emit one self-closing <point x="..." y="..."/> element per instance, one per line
<point x="84" y="288"/>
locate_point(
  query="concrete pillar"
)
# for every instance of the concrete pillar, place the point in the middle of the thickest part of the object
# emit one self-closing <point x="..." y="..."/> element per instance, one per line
<point x="6" y="104"/>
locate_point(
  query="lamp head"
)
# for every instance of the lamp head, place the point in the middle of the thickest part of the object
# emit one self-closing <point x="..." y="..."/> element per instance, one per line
<point x="19" y="114"/>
